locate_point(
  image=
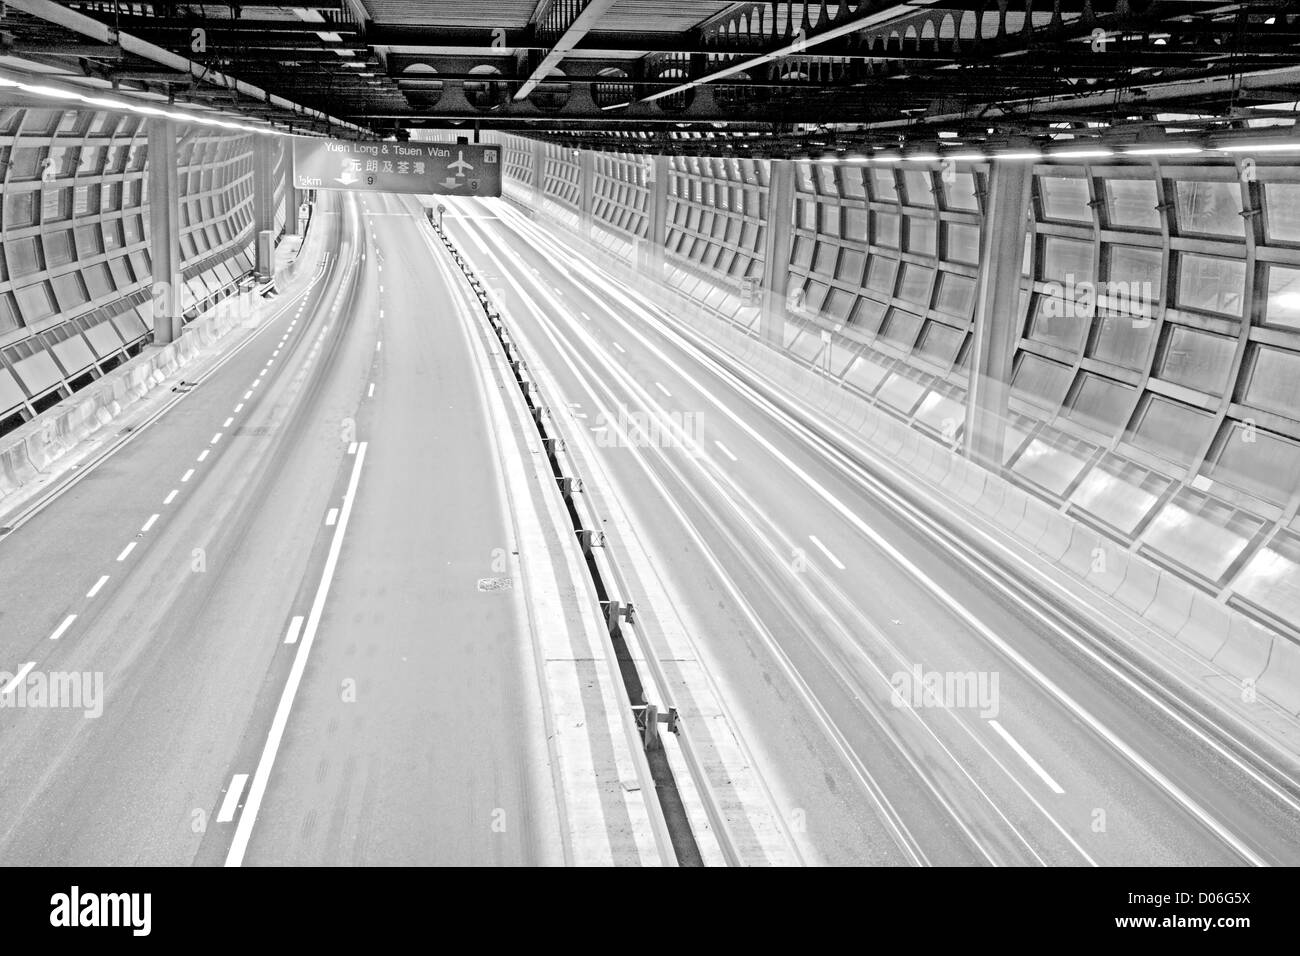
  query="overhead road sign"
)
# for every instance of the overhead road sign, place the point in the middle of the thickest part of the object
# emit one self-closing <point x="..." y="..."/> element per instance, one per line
<point x="442" y="169"/>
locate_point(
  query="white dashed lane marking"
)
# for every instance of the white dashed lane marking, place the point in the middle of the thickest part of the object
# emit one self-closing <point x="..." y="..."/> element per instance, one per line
<point x="17" y="678"/>
<point x="67" y="621"/>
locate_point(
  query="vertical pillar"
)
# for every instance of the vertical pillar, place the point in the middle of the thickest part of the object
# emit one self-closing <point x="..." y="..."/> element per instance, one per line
<point x="290" y="192"/>
<point x="539" y="175"/>
<point x="165" y="229"/>
<point x="997" y="311"/>
<point x="264" y="204"/>
<point x="777" y="240"/>
<point x="650" y="250"/>
<point x="586" y="189"/>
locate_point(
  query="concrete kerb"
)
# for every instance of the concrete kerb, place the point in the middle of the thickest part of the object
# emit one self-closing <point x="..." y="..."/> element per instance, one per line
<point x="1110" y="573"/>
<point x="1137" y="592"/>
<point x="1084" y="551"/>
<point x="1207" y="628"/>
<point x="1280" y="681"/>
<point x="1012" y="510"/>
<point x="1248" y="649"/>
<point x="990" y="500"/>
<point x="973" y="486"/>
<point x="1172" y="605"/>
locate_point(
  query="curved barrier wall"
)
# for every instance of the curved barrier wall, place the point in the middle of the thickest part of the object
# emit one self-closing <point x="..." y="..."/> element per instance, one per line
<point x="1156" y="384"/>
<point x="75" y="268"/>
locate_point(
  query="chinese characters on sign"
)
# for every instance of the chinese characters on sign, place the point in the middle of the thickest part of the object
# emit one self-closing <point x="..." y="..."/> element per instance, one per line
<point x="444" y="169"/>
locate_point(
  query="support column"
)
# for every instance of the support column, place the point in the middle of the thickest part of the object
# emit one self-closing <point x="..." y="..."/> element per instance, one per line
<point x="165" y="230"/>
<point x="539" y="175"/>
<point x="997" y="312"/>
<point x="777" y="240"/>
<point x="264" y="205"/>
<point x="650" y="250"/>
<point x="290" y="192"/>
<point x="586" y="189"/>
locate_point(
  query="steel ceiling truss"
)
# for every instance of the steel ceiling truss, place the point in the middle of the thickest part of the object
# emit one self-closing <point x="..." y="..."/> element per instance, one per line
<point x="758" y="74"/>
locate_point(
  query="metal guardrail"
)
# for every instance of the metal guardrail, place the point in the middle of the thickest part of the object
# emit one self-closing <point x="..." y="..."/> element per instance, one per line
<point x="656" y="711"/>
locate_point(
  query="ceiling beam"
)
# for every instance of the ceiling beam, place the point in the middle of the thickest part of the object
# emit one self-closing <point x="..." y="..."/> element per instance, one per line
<point x="802" y="42"/>
<point x="574" y="31"/>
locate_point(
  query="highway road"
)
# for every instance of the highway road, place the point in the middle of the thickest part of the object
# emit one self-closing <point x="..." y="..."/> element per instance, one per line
<point x="278" y="584"/>
<point x="281" y="585"/>
<point x="810" y="595"/>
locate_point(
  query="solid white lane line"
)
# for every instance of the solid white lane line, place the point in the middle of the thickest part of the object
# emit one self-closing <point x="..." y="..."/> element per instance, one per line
<point x="1034" y="765"/>
<point x="149" y="524"/>
<point x="67" y="621"/>
<point x="90" y="594"/>
<point x="171" y="496"/>
<point x="188" y="475"/>
<point x="826" y="551"/>
<point x="231" y="803"/>
<point x="125" y="551"/>
<point x="17" y="678"/>
<point x="239" y="845"/>
<point x="667" y="394"/>
<point x="295" y="628"/>
<point x="228" y="423"/>
<point x="331" y="516"/>
<point x="215" y="438"/>
<point x="204" y="454"/>
<point x="619" y="347"/>
<point x="725" y="450"/>
<point x="371" y="392"/>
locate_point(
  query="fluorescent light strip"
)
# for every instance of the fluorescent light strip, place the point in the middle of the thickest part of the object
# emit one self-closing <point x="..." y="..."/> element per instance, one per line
<point x="1262" y="148"/>
<point x="56" y="92"/>
<point x="1163" y="151"/>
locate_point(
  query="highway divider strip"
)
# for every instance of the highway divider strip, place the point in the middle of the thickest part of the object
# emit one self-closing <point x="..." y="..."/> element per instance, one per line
<point x="651" y="707"/>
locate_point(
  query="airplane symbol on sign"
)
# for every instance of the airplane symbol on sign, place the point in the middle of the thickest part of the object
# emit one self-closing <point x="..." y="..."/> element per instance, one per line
<point x="460" y="165"/>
